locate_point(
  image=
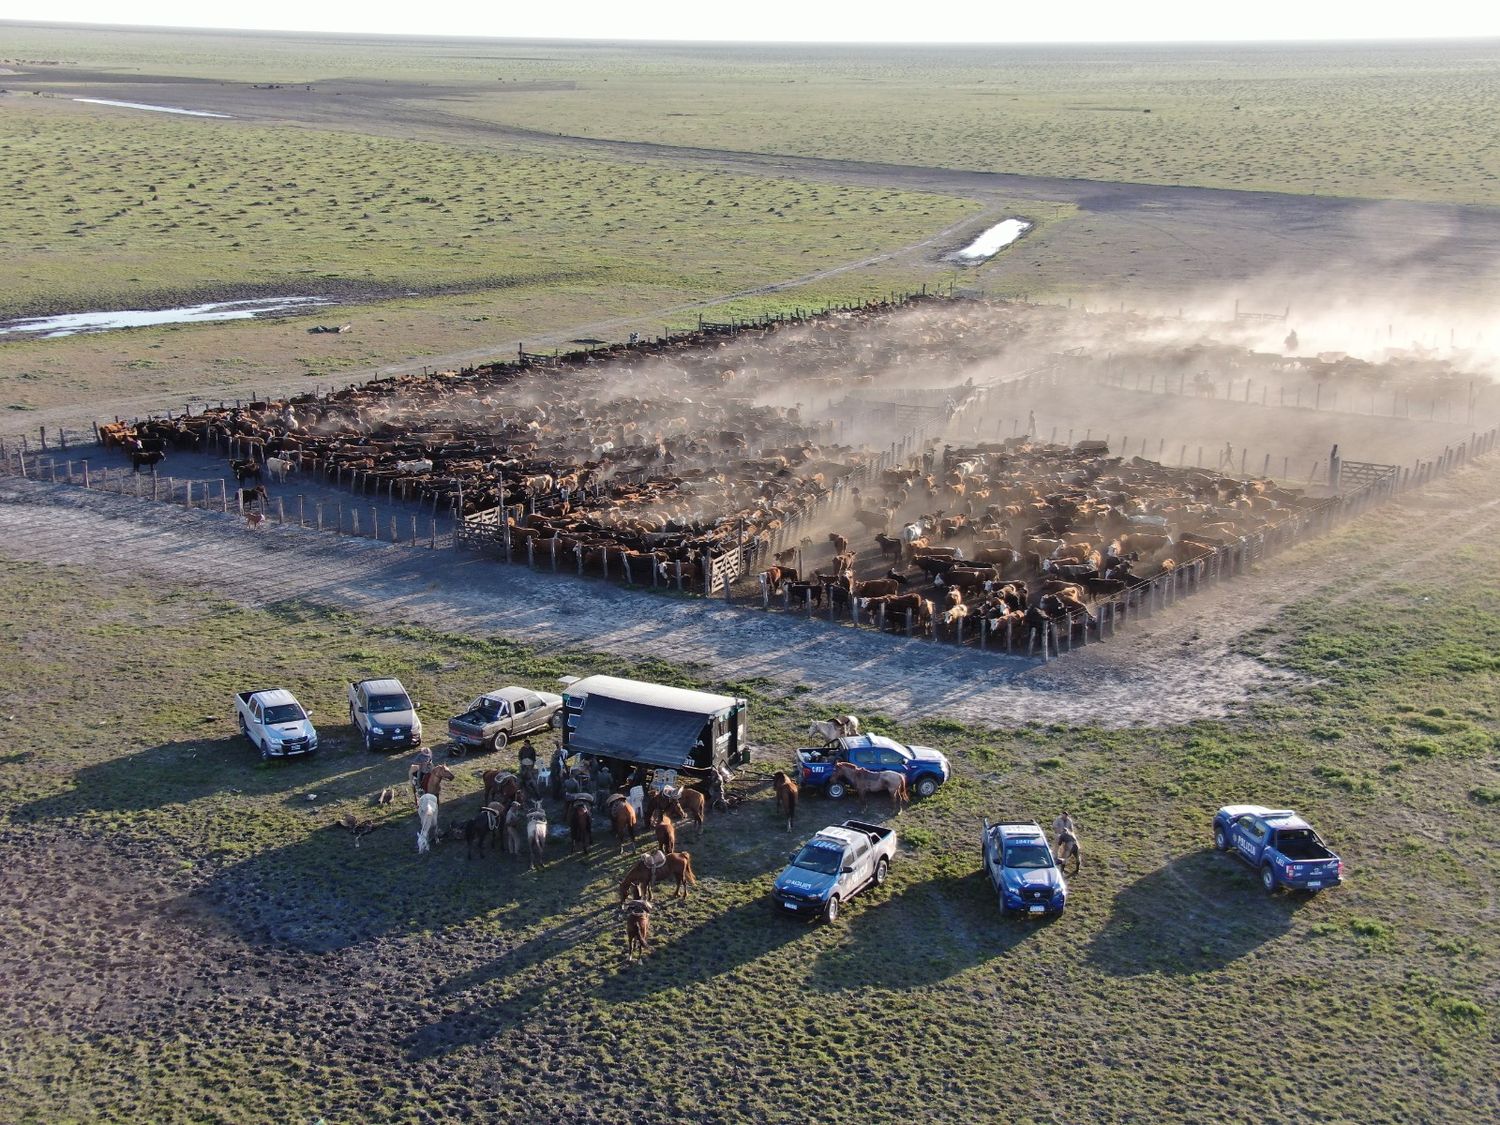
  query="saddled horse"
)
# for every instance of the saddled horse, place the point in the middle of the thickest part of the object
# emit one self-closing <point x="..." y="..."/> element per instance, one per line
<point x="637" y="927"/>
<point x="866" y="782"/>
<point x="681" y="803"/>
<point x="622" y="820"/>
<point x="536" y="835"/>
<point x="650" y="869"/>
<point x="500" y="785"/>
<point x="829" y="729"/>
<point x="427" y="822"/>
<point x="581" y="823"/>
<point x="430" y="783"/>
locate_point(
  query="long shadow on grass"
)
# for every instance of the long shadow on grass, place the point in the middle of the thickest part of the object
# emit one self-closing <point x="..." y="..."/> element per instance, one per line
<point x="1200" y="912"/>
<point x="182" y="772"/>
<point x="919" y="935"/>
<point x="583" y="955"/>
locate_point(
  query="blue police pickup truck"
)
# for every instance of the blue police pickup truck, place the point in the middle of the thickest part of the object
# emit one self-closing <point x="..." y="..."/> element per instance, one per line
<point x="1278" y="842"/>
<point x="833" y="867"/>
<point x="924" y="767"/>
<point x="1022" y="869"/>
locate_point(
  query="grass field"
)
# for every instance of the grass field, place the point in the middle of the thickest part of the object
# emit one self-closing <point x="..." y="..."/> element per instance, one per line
<point x="148" y="851"/>
<point x="1309" y="118"/>
<point x="117" y="208"/>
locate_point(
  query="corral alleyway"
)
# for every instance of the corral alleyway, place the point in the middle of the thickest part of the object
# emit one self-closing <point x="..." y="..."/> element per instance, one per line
<point x="1183" y="663"/>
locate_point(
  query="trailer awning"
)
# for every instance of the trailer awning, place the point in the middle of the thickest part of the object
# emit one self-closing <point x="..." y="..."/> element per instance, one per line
<point x="655" y="736"/>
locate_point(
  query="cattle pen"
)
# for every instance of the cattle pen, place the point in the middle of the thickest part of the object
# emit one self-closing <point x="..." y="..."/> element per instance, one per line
<point x="868" y="466"/>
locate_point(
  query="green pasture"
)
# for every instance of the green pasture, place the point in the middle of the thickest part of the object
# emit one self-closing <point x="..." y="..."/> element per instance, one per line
<point x="111" y="208"/>
<point x="1409" y="121"/>
<point x="1172" y="987"/>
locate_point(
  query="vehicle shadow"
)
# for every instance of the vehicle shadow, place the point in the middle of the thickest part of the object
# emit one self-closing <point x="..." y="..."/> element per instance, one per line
<point x="1200" y="912"/>
<point x="919" y="935"/>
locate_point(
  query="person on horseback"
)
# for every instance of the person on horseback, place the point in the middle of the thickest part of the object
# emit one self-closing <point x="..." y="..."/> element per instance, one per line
<point x="421" y="767"/>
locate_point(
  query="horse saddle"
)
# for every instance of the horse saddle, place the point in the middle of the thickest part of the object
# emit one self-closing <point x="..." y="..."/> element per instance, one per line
<point x="671" y="792"/>
<point x="613" y="797"/>
<point x="655" y="861"/>
<point x="504" y="777"/>
<point x="636" y="906"/>
<point x="581" y="799"/>
<point x="536" y="815"/>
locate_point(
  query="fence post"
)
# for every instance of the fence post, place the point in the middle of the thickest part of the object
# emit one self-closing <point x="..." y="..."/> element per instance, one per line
<point x="432" y="534"/>
<point x="553" y="541"/>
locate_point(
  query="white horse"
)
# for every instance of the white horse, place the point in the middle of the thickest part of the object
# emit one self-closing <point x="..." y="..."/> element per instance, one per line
<point x="427" y="814"/>
<point x="829" y="729"/>
<point x="536" y="834"/>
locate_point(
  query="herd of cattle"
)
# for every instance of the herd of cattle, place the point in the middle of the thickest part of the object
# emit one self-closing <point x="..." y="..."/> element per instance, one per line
<point x="673" y="452"/>
<point x="1014" y="535"/>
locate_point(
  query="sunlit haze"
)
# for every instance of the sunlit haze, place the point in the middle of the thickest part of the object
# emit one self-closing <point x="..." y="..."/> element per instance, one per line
<point x="791" y="21"/>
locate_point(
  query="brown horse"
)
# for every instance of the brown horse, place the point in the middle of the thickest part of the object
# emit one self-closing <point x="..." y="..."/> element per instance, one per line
<point x="622" y="820"/>
<point x="581" y="825"/>
<point x="866" y="782"/>
<point x="645" y="874"/>
<point x="666" y="835"/>
<point x="515" y="817"/>
<point x="786" y="796"/>
<point x="678" y="804"/>
<point x="500" y="785"/>
<point x="637" y="928"/>
<point x="431" y="783"/>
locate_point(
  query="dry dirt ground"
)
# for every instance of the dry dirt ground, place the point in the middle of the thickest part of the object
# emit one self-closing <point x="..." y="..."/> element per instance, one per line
<point x="1180" y="664"/>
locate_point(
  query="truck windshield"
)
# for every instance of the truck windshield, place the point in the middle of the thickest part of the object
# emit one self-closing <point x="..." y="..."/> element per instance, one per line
<point x="1027" y="856"/>
<point x="285" y="713"/>
<point x="385" y="704"/>
<point x="823" y="860"/>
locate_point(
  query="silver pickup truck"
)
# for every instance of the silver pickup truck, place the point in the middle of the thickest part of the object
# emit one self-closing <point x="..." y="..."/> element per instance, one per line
<point x="275" y="723"/>
<point x="496" y="717"/>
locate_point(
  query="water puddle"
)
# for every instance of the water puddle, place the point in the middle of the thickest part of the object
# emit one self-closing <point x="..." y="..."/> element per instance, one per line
<point x="72" y="323"/>
<point x="152" y="108"/>
<point x="992" y="241"/>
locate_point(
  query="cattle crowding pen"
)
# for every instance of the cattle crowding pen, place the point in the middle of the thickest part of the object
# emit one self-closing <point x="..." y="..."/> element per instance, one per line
<point x="590" y="475"/>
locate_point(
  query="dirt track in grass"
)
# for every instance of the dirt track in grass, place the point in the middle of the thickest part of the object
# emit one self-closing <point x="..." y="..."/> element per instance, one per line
<point x="1177" y="665"/>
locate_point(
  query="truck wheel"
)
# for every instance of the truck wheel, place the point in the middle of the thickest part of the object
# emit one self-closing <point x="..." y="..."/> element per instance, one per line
<point x="369" y="742"/>
<point x="926" y="786"/>
<point x="499" y="740"/>
<point x="1221" y="841"/>
<point x="836" y="790"/>
<point x="265" y="752"/>
<point x="552" y="721"/>
<point x="831" y="909"/>
<point x="1268" y="878"/>
<point x="882" y="872"/>
<point x="243" y="729"/>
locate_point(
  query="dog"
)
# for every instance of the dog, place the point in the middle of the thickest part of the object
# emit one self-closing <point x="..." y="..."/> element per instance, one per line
<point x="254" y="519"/>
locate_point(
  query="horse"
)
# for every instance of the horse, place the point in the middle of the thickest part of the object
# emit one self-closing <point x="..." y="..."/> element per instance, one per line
<point x="432" y="783"/>
<point x="500" y="785"/>
<point x="866" y="782"/>
<point x="681" y="803"/>
<point x="830" y="729"/>
<point x="637" y="927"/>
<point x="581" y="824"/>
<point x="622" y="820"/>
<point x="786" y="796"/>
<point x="427" y="822"/>
<point x="478" y="828"/>
<point x="536" y="835"/>
<point x="644" y="875"/>
<point x="666" y="835"/>
<point x="1069" y="848"/>
<point x="515" y="814"/>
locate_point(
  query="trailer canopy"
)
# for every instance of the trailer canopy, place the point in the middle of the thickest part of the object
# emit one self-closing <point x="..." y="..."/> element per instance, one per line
<point x="618" y="728"/>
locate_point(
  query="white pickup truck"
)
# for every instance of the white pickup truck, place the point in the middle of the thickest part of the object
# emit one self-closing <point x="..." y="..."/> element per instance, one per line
<point x="275" y="723"/>
<point x="833" y="867"/>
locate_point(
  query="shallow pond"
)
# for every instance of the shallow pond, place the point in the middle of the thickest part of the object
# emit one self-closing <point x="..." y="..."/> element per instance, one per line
<point x="992" y="241"/>
<point x="70" y="324"/>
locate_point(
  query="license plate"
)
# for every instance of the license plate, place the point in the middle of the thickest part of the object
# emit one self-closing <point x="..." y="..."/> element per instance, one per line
<point x="790" y="905"/>
<point x="1038" y="910"/>
<point x="1315" y="884"/>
